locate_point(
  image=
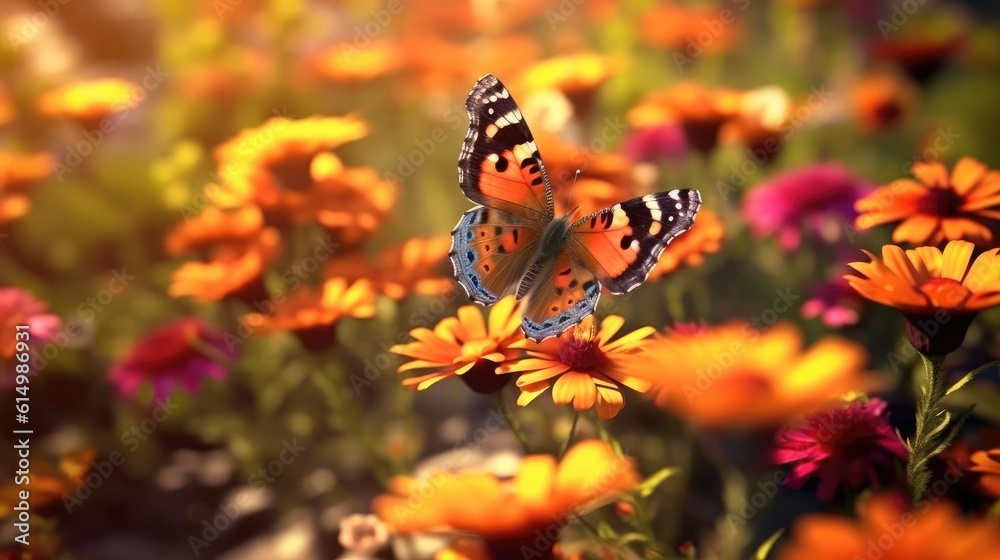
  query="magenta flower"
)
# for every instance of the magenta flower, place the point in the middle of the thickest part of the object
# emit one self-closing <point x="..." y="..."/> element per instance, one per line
<point x="853" y="444"/>
<point x="652" y="143"/>
<point x="819" y="196"/>
<point x="173" y="356"/>
<point x="835" y="303"/>
<point x="18" y="307"/>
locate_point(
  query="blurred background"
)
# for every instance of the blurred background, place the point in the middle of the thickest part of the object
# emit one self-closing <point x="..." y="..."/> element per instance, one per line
<point x="174" y="167"/>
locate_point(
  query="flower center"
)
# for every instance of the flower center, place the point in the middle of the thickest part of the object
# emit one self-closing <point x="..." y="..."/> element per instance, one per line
<point x="292" y="172"/>
<point x="945" y="293"/>
<point x="941" y="201"/>
<point x="581" y="354"/>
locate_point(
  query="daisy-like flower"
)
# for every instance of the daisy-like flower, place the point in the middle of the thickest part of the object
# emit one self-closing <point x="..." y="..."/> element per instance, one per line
<point x="583" y="368"/>
<point x="819" y="196"/>
<point x="689" y="249"/>
<point x="925" y="44"/>
<point x="851" y="444"/>
<point x="90" y="101"/>
<point x="577" y="76"/>
<point x="760" y="122"/>
<point x="236" y="249"/>
<point x="18" y="307"/>
<point x="882" y="100"/>
<point x="506" y="512"/>
<point x="699" y="111"/>
<point x="987" y="464"/>
<point x="172" y="356"/>
<point x="749" y="374"/>
<point x="313" y="315"/>
<point x="939" y="207"/>
<point x="885" y="527"/>
<point x="466" y="347"/>
<point x="937" y="292"/>
<point x="401" y="270"/>
<point x="18" y="173"/>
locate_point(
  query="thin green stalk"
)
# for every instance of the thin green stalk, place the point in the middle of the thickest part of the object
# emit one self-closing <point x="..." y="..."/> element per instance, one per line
<point x="512" y="421"/>
<point x="932" y="433"/>
<point x="569" y="436"/>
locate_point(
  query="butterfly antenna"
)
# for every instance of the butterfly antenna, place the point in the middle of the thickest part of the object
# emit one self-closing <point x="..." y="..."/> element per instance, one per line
<point x="569" y="200"/>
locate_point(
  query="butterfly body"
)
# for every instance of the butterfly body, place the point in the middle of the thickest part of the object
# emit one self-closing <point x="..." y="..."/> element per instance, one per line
<point x="512" y="242"/>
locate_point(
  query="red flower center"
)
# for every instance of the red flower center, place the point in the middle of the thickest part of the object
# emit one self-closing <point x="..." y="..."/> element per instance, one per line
<point x="581" y="354"/>
<point x="945" y="293"/>
<point x="940" y="201"/>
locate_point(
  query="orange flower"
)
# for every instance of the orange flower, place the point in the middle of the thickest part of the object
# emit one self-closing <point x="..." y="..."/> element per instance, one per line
<point x="700" y="112"/>
<point x="6" y="106"/>
<point x="465" y="17"/>
<point x="50" y="483"/>
<point x="285" y="167"/>
<point x="605" y="176"/>
<point x="506" y="513"/>
<point x="578" y="76"/>
<point x="925" y="44"/>
<point x="444" y="66"/>
<point x="938" y="208"/>
<point x="582" y="368"/>
<point x="760" y="121"/>
<point x="885" y="528"/>
<point x="225" y="77"/>
<point x="465" y="347"/>
<point x="18" y="173"/>
<point x="690" y="248"/>
<point x="345" y="63"/>
<point x="937" y="292"/>
<point x="236" y="246"/>
<point x="401" y="269"/>
<point x="91" y="100"/>
<point x="987" y="463"/>
<point x="313" y="314"/>
<point x="676" y="28"/>
<point x="882" y="100"/>
<point x="748" y="374"/>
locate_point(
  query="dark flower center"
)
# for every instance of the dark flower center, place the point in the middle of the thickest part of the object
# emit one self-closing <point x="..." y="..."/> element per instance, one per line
<point x="888" y="112"/>
<point x="581" y="354"/>
<point x="292" y="172"/>
<point x="942" y="201"/>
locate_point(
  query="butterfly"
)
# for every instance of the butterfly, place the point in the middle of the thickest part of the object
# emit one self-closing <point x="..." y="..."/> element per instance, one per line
<point x="512" y="242"/>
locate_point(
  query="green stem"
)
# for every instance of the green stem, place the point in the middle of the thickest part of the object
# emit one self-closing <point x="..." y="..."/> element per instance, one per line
<point x="569" y="436"/>
<point x="512" y="421"/>
<point x="931" y="431"/>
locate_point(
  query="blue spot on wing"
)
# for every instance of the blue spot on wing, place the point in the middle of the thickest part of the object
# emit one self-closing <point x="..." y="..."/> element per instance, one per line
<point x="558" y="324"/>
<point x="464" y="258"/>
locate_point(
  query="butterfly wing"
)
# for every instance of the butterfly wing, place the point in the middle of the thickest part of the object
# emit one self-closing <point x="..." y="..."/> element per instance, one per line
<point x="499" y="166"/>
<point x="491" y="250"/>
<point x="622" y="244"/>
<point x="561" y="295"/>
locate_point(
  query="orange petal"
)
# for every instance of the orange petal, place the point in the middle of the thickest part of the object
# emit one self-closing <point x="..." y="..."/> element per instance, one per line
<point x="967" y="174"/>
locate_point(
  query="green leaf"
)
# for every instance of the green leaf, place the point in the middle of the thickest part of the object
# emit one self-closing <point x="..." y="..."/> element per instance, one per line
<point x="648" y="486"/>
<point x="604" y="531"/>
<point x="631" y="537"/>
<point x="765" y="548"/>
<point x="970" y="376"/>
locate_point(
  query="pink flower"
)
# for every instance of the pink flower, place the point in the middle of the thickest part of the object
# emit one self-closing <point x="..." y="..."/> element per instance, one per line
<point x="18" y="307"/>
<point x="170" y="356"/>
<point x="834" y="302"/>
<point x="820" y="196"/>
<point x="651" y="143"/>
<point x="851" y="444"/>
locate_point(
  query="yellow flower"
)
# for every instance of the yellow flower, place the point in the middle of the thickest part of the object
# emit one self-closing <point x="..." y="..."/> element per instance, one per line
<point x="347" y="64"/>
<point x="313" y="315"/>
<point x="938" y="208"/>
<point x="735" y="375"/>
<point x="18" y="173"/>
<point x="582" y="368"/>
<point x="464" y="346"/>
<point x="699" y="111"/>
<point x="91" y="100"/>
<point x="506" y="513"/>
<point x="401" y="269"/>
<point x="939" y="293"/>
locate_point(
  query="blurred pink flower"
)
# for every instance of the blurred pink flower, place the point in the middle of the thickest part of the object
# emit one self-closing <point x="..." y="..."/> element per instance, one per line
<point x="820" y="196"/>
<point x="835" y="303"/>
<point x="170" y="356"/>
<point x="651" y="143"/>
<point x="18" y="307"/>
<point x="853" y="444"/>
